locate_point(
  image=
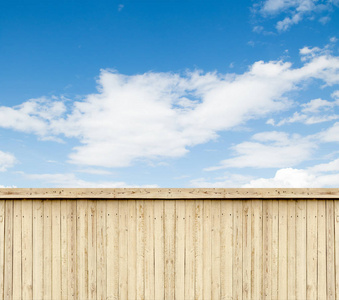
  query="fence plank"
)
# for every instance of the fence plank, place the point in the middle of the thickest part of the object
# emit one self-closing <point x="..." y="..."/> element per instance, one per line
<point x="198" y="248"/>
<point x="226" y="249"/>
<point x="275" y="249"/>
<point x="92" y="249"/>
<point x="237" y="250"/>
<point x="207" y="280"/>
<point x="71" y="241"/>
<point x="257" y="249"/>
<point x="216" y="239"/>
<point x="27" y="249"/>
<point x="291" y="250"/>
<point x="159" y="266"/>
<point x="190" y="253"/>
<point x="247" y="249"/>
<point x="123" y="249"/>
<point x="301" y="249"/>
<point x="47" y="249"/>
<point x="336" y="246"/>
<point x="149" y="249"/>
<point x="321" y="249"/>
<point x="56" y="254"/>
<point x="82" y="249"/>
<point x="140" y="254"/>
<point x="112" y="250"/>
<point x="38" y="249"/>
<point x="169" y="229"/>
<point x="64" y="249"/>
<point x="17" y="272"/>
<point x="330" y="256"/>
<point x="312" y="257"/>
<point x="267" y="249"/>
<point x="2" y="246"/>
<point x="180" y="211"/>
<point x="8" y="257"/>
<point x="101" y="250"/>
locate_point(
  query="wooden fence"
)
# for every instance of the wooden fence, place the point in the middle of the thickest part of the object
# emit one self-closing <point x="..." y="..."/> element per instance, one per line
<point x="169" y="244"/>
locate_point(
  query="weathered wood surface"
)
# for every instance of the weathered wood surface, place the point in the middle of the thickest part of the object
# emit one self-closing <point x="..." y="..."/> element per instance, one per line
<point x="163" y="193"/>
<point x="169" y="249"/>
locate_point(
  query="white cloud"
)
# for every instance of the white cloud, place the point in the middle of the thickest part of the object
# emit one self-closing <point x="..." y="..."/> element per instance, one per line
<point x="296" y="178"/>
<point x="69" y="180"/>
<point x="312" y="112"/>
<point x="296" y="10"/>
<point x="7" y="160"/>
<point x="331" y="134"/>
<point x="318" y="176"/>
<point x="159" y="115"/>
<point x="269" y="150"/>
<point x="227" y="181"/>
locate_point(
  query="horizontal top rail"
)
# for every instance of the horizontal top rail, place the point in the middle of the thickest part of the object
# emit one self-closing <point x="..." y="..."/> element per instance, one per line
<point x="168" y="193"/>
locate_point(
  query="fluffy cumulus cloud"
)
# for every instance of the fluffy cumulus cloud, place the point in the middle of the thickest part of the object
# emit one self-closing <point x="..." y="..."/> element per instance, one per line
<point x="321" y="175"/>
<point x="296" y="10"/>
<point x="269" y="150"/>
<point x="7" y="160"/>
<point x="156" y="115"/>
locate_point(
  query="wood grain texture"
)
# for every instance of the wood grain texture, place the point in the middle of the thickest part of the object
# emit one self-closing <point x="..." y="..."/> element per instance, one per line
<point x="169" y="249"/>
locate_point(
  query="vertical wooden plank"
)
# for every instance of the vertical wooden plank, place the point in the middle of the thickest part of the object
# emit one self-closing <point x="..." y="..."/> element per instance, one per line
<point x="198" y="248"/>
<point x="159" y="266"/>
<point x="257" y="249"/>
<point x="216" y="241"/>
<point x="312" y="260"/>
<point x="64" y="249"/>
<point x="82" y="250"/>
<point x="27" y="249"/>
<point x="92" y="248"/>
<point x="132" y="248"/>
<point x="247" y="249"/>
<point x="336" y="246"/>
<point x="330" y="249"/>
<point x="321" y="251"/>
<point x="17" y="273"/>
<point x="38" y="249"/>
<point x="2" y="246"/>
<point x="113" y="249"/>
<point x="180" y="211"/>
<point x="291" y="250"/>
<point x="140" y="270"/>
<point x="207" y="253"/>
<point x="301" y="249"/>
<point x="47" y="249"/>
<point x="169" y="224"/>
<point x="267" y="249"/>
<point x="226" y="249"/>
<point x="190" y="253"/>
<point x="101" y="250"/>
<point x="71" y="241"/>
<point x="56" y="247"/>
<point x="149" y="250"/>
<point x="237" y="250"/>
<point x="283" y="216"/>
<point x="123" y="249"/>
<point x="8" y="273"/>
<point x="275" y="249"/>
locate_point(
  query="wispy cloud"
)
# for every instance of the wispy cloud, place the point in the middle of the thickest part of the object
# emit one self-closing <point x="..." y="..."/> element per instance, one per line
<point x="294" y="11"/>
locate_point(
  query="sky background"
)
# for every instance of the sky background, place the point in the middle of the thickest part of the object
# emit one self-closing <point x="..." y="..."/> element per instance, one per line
<point x="169" y="93"/>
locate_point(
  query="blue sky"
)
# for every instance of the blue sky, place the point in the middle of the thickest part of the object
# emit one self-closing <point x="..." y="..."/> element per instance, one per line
<point x="169" y="93"/>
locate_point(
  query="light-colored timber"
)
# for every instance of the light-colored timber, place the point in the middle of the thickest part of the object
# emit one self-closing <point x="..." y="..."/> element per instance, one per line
<point x="169" y="244"/>
<point x="171" y="193"/>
